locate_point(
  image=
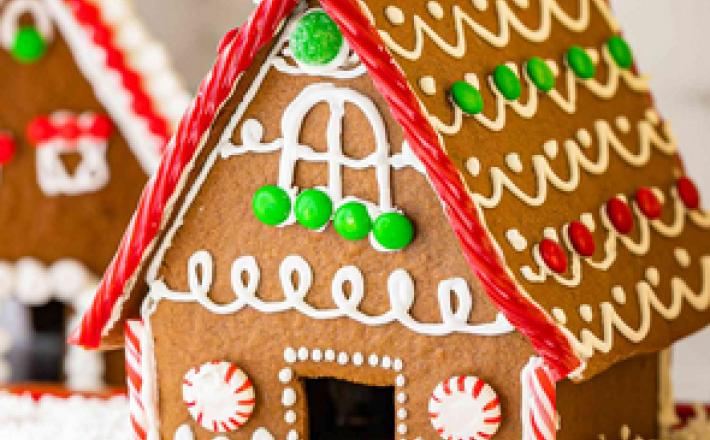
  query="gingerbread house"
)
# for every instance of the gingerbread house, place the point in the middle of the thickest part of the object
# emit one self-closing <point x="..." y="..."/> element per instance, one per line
<point x="89" y="102"/>
<point x="411" y="220"/>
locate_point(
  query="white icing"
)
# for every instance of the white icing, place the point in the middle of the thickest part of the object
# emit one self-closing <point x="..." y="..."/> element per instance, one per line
<point x="638" y="156"/>
<point x="184" y="433"/>
<point x="358" y="359"/>
<point x="330" y="355"/>
<point x="303" y="351"/>
<point x="75" y="418"/>
<point x="292" y="435"/>
<point x="400" y="287"/>
<point x="618" y="294"/>
<point x="386" y="362"/>
<point x="435" y="9"/>
<point x="290" y="355"/>
<point x="317" y="355"/>
<point x="401" y="397"/>
<point x="507" y="20"/>
<point x="473" y="165"/>
<point x="90" y="175"/>
<point x="288" y="397"/>
<point x="587" y="220"/>
<point x="402" y="413"/>
<point x="516" y="239"/>
<point x="107" y="85"/>
<point x="402" y="428"/>
<point x="293" y="152"/>
<point x="373" y="360"/>
<point x="10" y="19"/>
<point x="585" y="311"/>
<point x="428" y="85"/>
<point x="398" y="364"/>
<point x="286" y="375"/>
<point x="262" y="434"/>
<point x="682" y="257"/>
<point x="290" y="417"/>
<point x="395" y="15"/>
<point x="512" y="160"/>
<point x="400" y="380"/>
<point x="559" y="315"/>
<point x="551" y="148"/>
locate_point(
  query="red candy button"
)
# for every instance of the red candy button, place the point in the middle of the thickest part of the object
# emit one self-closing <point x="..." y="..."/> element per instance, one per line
<point x="7" y="148"/>
<point x="620" y="215"/>
<point x="40" y="130"/>
<point x="581" y="238"/>
<point x="648" y="203"/>
<point x="553" y="255"/>
<point x="101" y="127"/>
<point x="688" y="193"/>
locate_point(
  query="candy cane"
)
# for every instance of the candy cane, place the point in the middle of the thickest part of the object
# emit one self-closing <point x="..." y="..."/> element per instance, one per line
<point x="539" y="401"/>
<point x="134" y="333"/>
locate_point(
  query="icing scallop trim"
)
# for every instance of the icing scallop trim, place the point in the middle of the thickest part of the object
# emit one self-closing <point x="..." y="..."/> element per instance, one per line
<point x="464" y="216"/>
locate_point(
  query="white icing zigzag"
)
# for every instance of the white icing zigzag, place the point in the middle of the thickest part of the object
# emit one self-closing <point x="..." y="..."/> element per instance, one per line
<point x="507" y="20"/>
<point x="578" y="161"/>
<point x="400" y="287"/>
<point x="608" y="90"/>
<point x="640" y="247"/>
<point x="588" y="342"/>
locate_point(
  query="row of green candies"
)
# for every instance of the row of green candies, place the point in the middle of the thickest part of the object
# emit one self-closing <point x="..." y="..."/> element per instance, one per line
<point x="468" y="98"/>
<point x="313" y="209"/>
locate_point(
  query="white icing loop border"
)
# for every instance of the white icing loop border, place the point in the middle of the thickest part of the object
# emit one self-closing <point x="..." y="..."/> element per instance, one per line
<point x="400" y="287"/>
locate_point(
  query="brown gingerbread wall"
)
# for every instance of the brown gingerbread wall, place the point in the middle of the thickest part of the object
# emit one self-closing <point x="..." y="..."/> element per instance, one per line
<point x="221" y="222"/>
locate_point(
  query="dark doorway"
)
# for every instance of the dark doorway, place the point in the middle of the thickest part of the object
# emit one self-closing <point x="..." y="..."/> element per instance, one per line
<point x="341" y="410"/>
<point x="47" y="347"/>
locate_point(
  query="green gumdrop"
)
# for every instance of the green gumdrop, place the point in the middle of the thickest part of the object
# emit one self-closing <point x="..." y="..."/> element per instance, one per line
<point x="540" y="74"/>
<point x="313" y="208"/>
<point x="467" y="97"/>
<point x="507" y="82"/>
<point x="29" y="46"/>
<point x="393" y="231"/>
<point x="352" y="221"/>
<point x="271" y="205"/>
<point x="581" y="63"/>
<point x="620" y="52"/>
<point x="316" y="39"/>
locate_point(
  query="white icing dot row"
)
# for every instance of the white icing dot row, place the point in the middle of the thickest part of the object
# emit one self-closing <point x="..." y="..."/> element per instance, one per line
<point x="303" y="354"/>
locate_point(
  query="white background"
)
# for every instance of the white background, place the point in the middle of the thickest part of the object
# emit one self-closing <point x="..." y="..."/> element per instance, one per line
<point x="670" y="39"/>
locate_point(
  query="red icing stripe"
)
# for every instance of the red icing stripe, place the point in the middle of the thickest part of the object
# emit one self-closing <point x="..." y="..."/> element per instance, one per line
<point x="461" y="383"/>
<point x="364" y="39"/>
<point x="490" y="405"/>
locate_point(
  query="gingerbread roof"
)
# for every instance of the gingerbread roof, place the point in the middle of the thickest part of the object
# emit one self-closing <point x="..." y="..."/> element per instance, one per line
<point x="129" y="72"/>
<point x="446" y="150"/>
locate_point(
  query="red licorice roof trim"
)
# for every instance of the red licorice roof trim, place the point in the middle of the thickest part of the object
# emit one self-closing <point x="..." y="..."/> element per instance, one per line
<point x="88" y="15"/>
<point x="478" y="248"/>
<point x="364" y="39"/>
<point x="256" y="33"/>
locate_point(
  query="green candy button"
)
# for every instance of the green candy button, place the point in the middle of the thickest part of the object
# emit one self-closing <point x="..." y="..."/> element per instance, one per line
<point x="620" y="52"/>
<point x="467" y="97"/>
<point x="393" y="231"/>
<point x="581" y="63"/>
<point x="313" y="208"/>
<point x="271" y="205"/>
<point x="352" y="221"/>
<point x="316" y="39"/>
<point x="29" y="46"/>
<point x="507" y="82"/>
<point x="540" y="74"/>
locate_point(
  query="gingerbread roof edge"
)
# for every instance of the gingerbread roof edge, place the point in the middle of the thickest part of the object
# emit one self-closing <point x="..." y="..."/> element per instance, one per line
<point x="129" y="72"/>
<point x="234" y="59"/>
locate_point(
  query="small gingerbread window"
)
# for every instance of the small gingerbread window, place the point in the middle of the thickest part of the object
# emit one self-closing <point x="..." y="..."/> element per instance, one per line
<point x="339" y="409"/>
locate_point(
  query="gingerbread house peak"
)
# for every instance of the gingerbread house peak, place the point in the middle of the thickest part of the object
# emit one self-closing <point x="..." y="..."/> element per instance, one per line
<point x="559" y="65"/>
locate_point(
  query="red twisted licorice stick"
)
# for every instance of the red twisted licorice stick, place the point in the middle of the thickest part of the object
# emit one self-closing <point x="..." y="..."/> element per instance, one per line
<point x="143" y="229"/>
<point x="463" y="215"/>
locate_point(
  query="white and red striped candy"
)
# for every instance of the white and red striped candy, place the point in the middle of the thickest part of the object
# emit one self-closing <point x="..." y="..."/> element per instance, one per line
<point x="539" y="402"/>
<point x="464" y="408"/>
<point x="134" y="334"/>
<point x="219" y="396"/>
